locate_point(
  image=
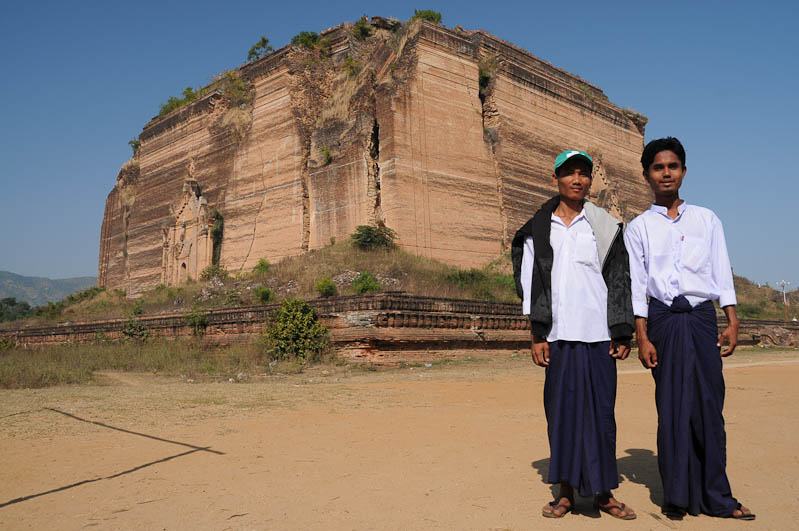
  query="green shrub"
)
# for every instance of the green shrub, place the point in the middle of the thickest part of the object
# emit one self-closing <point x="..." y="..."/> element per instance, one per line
<point x="217" y="231"/>
<point x="197" y="320"/>
<point x="87" y="294"/>
<point x="138" y="308"/>
<point x="262" y="267"/>
<point x="466" y="278"/>
<point x="326" y="287"/>
<point x="134" y="144"/>
<point x="749" y="310"/>
<point x="366" y="282"/>
<point x="189" y="95"/>
<point x="214" y="271"/>
<point x="264" y="294"/>
<point x="327" y="157"/>
<point x="52" y="311"/>
<point x="306" y="39"/>
<point x="260" y="49"/>
<point x="361" y="29"/>
<point x="135" y="330"/>
<point x="352" y="67"/>
<point x="235" y="90"/>
<point x="428" y="15"/>
<point x="7" y="343"/>
<point x="368" y="237"/>
<point x="295" y="332"/>
<point x="11" y="310"/>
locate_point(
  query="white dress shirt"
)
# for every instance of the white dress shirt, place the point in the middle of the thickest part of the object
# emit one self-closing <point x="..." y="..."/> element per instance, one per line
<point x="683" y="256"/>
<point x="579" y="293"/>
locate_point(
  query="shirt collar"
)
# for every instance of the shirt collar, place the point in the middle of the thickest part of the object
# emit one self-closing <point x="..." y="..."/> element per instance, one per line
<point x="579" y="216"/>
<point x="658" y="209"/>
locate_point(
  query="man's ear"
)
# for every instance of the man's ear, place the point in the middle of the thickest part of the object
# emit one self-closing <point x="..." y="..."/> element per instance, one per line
<point x="645" y="173"/>
<point x="555" y="179"/>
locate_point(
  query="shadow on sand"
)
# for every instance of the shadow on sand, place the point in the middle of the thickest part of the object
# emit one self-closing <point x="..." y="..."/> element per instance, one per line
<point x="638" y="466"/>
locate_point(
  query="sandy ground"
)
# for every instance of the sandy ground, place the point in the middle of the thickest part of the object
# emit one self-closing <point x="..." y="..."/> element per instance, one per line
<point x="458" y="446"/>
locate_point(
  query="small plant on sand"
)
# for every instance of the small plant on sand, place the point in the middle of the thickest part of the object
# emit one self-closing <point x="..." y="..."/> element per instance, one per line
<point x="294" y="332"/>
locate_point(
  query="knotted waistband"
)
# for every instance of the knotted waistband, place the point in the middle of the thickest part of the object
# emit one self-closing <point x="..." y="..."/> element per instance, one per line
<point x="679" y="305"/>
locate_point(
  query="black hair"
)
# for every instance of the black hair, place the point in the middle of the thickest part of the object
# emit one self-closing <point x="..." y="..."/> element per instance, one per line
<point x="662" y="144"/>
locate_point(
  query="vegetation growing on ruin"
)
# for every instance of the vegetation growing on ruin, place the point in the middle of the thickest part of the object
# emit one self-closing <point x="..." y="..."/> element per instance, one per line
<point x="361" y="29"/>
<point x="352" y="66"/>
<point x="262" y="48"/>
<point x="296" y="276"/>
<point x="134" y="144"/>
<point x="217" y="231"/>
<point x="428" y="15"/>
<point x="366" y="282"/>
<point x="294" y="332"/>
<point x="262" y="267"/>
<point x="325" y="287"/>
<point x="311" y="40"/>
<point x="377" y="236"/>
<point x="327" y="157"/>
<point x="487" y="67"/>
<point x="189" y="94"/>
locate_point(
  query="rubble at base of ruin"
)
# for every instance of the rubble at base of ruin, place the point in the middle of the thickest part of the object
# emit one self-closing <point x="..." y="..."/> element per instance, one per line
<point x="446" y="135"/>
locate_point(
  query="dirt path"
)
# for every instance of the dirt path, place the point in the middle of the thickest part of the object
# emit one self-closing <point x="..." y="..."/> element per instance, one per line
<point x="461" y="446"/>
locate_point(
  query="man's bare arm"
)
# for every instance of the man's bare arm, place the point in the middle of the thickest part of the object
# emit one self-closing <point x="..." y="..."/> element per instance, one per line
<point x="730" y="334"/>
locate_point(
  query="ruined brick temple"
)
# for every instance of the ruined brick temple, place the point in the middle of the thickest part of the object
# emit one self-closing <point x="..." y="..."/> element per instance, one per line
<point x="446" y="135"/>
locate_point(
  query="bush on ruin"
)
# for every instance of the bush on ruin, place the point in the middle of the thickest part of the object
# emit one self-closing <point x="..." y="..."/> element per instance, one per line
<point x="377" y="236"/>
<point x="295" y="333"/>
<point x="325" y="287"/>
<point x="366" y="282"/>
<point x="428" y="15"/>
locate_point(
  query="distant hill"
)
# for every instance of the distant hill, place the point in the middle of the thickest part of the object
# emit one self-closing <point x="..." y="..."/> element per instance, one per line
<point x="38" y="290"/>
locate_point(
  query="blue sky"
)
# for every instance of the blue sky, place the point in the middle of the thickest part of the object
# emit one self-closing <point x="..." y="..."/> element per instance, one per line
<point x="80" y="79"/>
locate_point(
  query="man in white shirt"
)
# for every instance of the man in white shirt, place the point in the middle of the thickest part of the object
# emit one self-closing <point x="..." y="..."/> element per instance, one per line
<point x="679" y="261"/>
<point x="572" y="273"/>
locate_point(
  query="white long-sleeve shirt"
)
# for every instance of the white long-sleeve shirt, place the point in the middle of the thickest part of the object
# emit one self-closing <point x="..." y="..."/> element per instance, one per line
<point x="683" y="256"/>
<point x="579" y="293"/>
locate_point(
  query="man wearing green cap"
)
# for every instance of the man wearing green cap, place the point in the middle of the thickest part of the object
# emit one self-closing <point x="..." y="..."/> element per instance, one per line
<point x="572" y="274"/>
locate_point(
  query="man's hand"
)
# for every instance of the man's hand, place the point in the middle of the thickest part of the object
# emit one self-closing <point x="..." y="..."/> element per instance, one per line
<point x="730" y="334"/>
<point x="540" y="351"/>
<point x="646" y="350"/>
<point x="620" y="349"/>
<point x="647" y="353"/>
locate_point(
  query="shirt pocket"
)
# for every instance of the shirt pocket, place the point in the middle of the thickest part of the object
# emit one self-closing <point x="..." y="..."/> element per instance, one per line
<point x="585" y="252"/>
<point x="695" y="255"/>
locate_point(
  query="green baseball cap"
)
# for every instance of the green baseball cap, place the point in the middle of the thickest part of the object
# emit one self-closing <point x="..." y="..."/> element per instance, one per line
<point x="569" y="153"/>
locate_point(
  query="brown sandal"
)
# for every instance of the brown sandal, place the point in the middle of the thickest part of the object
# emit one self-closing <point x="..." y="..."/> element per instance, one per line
<point x="622" y="512"/>
<point x="549" y="509"/>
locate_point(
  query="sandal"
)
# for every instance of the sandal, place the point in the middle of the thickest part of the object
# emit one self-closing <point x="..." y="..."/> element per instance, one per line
<point x="549" y="510"/>
<point x="741" y="514"/>
<point x="621" y="511"/>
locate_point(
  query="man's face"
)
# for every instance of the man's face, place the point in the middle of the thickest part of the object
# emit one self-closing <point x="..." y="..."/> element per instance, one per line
<point x="665" y="174"/>
<point x="573" y="179"/>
